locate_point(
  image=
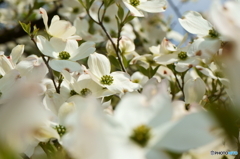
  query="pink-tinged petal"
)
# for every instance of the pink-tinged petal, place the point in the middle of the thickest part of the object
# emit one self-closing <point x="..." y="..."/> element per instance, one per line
<point x="99" y="65"/>
<point x="59" y="65"/>
<point x="154" y="6"/>
<point x="83" y="51"/>
<point x="45" y="17"/>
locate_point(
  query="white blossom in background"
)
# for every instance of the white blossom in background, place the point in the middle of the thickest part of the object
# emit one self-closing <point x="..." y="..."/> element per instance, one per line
<point x="194" y="88"/>
<point x="71" y="9"/>
<point x="126" y="47"/>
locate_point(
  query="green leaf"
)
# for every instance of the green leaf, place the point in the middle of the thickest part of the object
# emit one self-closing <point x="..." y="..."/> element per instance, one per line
<point x="153" y="71"/>
<point x="80" y="1"/>
<point x="142" y="70"/>
<point x="35" y="30"/>
<point x="120" y="12"/>
<point x="128" y="19"/>
<point x="118" y="23"/>
<point x="114" y="61"/>
<point x="26" y="27"/>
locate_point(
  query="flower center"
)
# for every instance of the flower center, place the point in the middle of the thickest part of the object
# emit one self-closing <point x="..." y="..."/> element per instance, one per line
<point x="60" y="129"/>
<point x="85" y="92"/>
<point x="106" y="79"/>
<point x="182" y="55"/>
<point x="64" y="55"/>
<point x="75" y="10"/>
<point x="1" y="76"/>
<point x="72" y="93"/>
<point x="136" y="81"/>
<point x="141" y="135"/>
<point x="134" y="3"/>
<point x="213" y="33"/>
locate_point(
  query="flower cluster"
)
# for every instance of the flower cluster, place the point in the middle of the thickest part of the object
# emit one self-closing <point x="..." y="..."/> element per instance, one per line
<point x="101" y="79"/>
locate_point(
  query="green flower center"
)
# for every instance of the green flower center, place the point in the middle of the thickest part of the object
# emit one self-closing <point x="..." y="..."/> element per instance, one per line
<point x="1" y="76"/>
<point x="182" y="55"/>
<point x="61" y="130"/>
<point x="213" y="33"/>
<point x="135" y="81"/>
<point x="85" y="92"/>
<point x="141" y="135"/>
<point x="72" y="93"/>
<point x="75" y="10"/>
<point x="0" y="94"/>
<point x="64" y="55"/>
<point x="106" y="79"/>
<point x="134" y="3"/>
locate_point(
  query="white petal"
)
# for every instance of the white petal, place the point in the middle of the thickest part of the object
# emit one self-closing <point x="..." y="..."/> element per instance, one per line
<point x="190" y="132"/>
<point x="194" y="23"/>
<point x="45" y="47"/>
<point x="167" y="59"/>
<point x="99" y="65"/>
<point x="83" y="51"/>
<point x="153" y="6"/>
<point x="17" y="53"/>
<point x="71" y="47"/>
<point x="194" y="90"/>
<point x="58" y="44"/>
<point x="59" y="65"/>
<point x="61" y="29"/>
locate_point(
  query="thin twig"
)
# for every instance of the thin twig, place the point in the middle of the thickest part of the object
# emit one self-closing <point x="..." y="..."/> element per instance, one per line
<point x="100" y="23"/>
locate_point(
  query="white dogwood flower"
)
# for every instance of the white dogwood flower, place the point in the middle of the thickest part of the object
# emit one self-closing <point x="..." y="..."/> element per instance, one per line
<point x="59" y="28"/>
<point x="118" y="82"/>
<point x="65" y="53"/>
